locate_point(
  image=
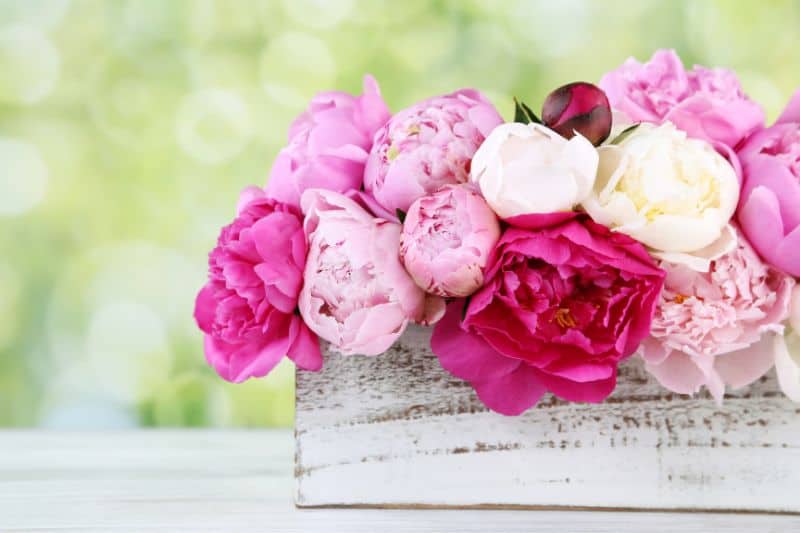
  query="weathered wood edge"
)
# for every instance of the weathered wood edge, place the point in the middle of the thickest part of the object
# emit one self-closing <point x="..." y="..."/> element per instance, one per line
<point x="554" y="508"/>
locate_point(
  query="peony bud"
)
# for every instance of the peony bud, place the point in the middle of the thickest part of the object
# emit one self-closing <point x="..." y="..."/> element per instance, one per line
<point x="447" y="239"/>
<point x="578" y="107"/>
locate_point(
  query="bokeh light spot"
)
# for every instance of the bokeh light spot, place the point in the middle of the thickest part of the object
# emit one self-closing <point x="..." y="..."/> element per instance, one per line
<point x="29" y="65"/>
<point x="213" y="125"/>
<point x="127" y="347"/>
<point x="318" y="14"/>
<point x="44" y="14"/>
<point x="293" y="63"/>
<point x="134" y="102"/>
<point x="23" y="177"/>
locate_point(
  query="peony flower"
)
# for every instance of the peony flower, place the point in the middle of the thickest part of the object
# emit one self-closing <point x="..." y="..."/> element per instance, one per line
<point x="674" y="194"/>
<point x="718" y="327"/>
<point x="561" y="307"/>
<point x="769" y="210"/>
<point x="787" y="352"/>
<point x="356" y="293"/>
<point x="527" y="168"/>
<point x="447" y="239"/>
<point x="707" y="104"/>
<point x="329" y="144"/>
<point x="426" y="146"/>
<point x="578" y="108"/>
<point x="247" y="308"/>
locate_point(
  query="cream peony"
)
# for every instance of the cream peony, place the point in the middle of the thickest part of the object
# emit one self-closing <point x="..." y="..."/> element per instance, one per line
<point x="674" y="194"/>
<point x="787" y="352"/>
<point x="530" y="169"/>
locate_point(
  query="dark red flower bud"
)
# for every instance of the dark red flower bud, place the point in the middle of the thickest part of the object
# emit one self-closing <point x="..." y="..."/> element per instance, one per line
<point x="578" y="107"/>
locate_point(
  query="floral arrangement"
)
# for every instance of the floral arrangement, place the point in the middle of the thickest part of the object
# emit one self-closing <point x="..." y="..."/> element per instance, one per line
<point x="652" y="215"/>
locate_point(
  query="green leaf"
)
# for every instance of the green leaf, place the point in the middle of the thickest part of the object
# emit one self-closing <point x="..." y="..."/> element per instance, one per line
<point x="524" y="114"/>
<point x="401" y="215"/>
<point x="625" y="133"/>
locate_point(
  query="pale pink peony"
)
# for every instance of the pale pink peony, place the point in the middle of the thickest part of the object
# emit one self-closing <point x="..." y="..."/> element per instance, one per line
<point x="447" y="239"/>
<point x="329" y="144"/>
<point x="708" y="104"/>
<point x="717" y="328"/>
<point x="769" y="205"/>
<point x="426" y="146"/>
<point x="247" y="310"/>
<point x="356" y="293"/>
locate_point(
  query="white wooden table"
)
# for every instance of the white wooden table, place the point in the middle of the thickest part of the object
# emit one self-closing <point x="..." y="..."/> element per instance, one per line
<point x="243" y="481"/>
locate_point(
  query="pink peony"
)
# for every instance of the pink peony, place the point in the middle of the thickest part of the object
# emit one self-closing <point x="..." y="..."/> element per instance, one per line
<point x="561" y="307"/>
<point x="247" y="308"/>
<point x="716" y="328"/>
<point x="329" y="144"/>
<point x="426" y="146"/>
<point x="356" y="293"/>
<point x="769" y="205"/>
<point x="447" y="238"/>
<point x="706" y="103"/>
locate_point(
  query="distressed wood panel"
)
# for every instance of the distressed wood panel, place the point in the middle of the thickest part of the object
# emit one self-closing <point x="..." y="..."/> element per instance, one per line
<point x="397" y="430"/>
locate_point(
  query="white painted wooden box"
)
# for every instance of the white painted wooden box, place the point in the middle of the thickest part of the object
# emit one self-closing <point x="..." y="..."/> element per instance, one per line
<point x="398" y="431"/>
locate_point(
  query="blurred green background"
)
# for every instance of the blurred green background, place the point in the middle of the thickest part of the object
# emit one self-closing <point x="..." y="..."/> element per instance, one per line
<point x="127" y="129"/>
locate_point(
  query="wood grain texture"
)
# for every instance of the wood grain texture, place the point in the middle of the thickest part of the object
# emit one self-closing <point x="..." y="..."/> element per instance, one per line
<point x="199" y="480"/>
<point x="398" y="430"/>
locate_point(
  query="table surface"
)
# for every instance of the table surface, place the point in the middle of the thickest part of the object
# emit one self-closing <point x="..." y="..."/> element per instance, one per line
<point x="242" y="481"/>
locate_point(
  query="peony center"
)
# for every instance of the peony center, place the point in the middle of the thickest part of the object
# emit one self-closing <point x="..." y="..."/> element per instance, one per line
<point x="348" y="288"/>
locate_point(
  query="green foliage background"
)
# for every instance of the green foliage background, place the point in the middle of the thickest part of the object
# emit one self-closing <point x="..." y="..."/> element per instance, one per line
<point x="127" y="129"/>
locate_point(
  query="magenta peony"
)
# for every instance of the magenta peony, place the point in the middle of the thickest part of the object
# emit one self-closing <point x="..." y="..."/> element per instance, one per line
<point x="717" y="328"/>
<point x="426" y="146"/>
<point x="247" y="310"/>
<point x="581" y="108"/>
<point x="447" y="239"/>
<point x="329" y="144"/>
<point x="705" y="103"/>
<point x="769" y="205"/>
<point x="561" y="307"/>
<point x="356" y="293"/>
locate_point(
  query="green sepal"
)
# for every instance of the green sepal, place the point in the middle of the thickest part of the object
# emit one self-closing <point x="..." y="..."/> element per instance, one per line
<point x="625" y="133"/>
<point x="524" y="114"/>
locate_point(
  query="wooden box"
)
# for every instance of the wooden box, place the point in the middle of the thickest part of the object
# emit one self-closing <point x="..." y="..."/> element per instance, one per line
<point x="399" y="431"/>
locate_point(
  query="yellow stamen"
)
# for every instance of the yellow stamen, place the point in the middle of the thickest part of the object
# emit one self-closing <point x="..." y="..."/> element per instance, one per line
<point x="564" y="319"/>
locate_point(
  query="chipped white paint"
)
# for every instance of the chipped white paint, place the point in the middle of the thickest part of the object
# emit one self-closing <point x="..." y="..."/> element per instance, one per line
<point x="397" y="430"/>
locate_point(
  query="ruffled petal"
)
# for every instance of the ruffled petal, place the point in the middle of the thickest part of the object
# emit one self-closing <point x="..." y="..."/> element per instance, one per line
<point x="513" y="393"/>
<point x="304" y="350"/>
<point x="464" y="354"/>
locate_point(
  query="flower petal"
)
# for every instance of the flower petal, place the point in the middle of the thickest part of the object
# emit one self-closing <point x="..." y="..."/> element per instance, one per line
<point x="513" y="393"/>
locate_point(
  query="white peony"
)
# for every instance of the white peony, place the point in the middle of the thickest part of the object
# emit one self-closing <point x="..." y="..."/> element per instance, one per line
<point x="524" y="169"/>
<point x="673" y="194"/>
